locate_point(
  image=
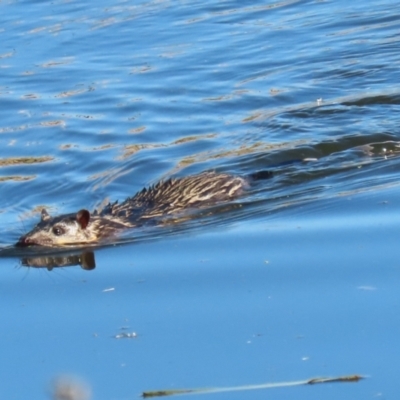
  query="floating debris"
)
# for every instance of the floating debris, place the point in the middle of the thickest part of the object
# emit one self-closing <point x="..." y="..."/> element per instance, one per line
<point x="313" y="381"/>
<point x="126" y="335"/>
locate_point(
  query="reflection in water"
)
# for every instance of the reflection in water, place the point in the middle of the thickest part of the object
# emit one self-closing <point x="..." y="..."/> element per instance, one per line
<point x="85" y="259"/>
<point x="51" y="258"/>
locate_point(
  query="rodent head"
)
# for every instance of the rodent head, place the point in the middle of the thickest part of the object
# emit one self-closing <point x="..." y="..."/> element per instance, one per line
<point x="63" y="230"/>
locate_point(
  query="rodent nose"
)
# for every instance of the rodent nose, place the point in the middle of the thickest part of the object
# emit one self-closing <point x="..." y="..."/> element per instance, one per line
<point x="23" y="241"/>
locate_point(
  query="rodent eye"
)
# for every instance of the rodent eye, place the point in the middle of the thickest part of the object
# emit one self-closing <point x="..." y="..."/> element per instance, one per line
<point x="58" y="231"/>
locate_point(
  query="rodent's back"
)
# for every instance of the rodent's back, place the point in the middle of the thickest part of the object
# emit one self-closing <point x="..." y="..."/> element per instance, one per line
<point x="176" y="195"/>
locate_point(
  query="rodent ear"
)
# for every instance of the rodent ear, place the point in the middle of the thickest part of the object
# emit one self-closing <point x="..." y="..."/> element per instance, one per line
<point x="44" y="215"/>
<point x="83" y="217"/>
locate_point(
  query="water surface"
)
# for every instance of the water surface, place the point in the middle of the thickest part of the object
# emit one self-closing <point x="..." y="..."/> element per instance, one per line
<point x="297" y="279"/>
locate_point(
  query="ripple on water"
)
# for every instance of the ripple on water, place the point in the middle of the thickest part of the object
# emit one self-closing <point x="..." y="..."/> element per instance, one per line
<point x="101" y="99"/>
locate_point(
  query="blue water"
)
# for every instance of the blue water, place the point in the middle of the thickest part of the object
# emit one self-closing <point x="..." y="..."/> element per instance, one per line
<point x="298" y="279"/>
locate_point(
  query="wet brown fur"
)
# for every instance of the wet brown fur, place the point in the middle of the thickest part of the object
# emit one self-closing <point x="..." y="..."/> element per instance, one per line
<point x="166" y="198"/>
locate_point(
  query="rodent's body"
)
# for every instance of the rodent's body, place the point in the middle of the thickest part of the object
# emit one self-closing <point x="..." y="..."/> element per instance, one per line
<point x="166" y="198"/>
